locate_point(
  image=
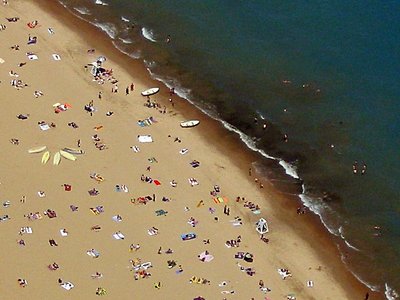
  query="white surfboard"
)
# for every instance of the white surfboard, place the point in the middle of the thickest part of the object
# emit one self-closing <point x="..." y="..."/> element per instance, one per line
<point x="151" y="91"/>
<point x="56" y="158"/>
<point x="73" y="150"/>
<point x="37" y="149"/>
<point x="67" y="155"/>
<point x="45" y="157"/>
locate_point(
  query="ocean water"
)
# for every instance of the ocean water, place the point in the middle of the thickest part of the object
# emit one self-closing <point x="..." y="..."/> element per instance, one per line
<point x="323" y="73"/>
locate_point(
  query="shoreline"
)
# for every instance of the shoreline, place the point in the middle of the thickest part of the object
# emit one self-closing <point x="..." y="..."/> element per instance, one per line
<point x="312" y="221"/>
<point x="214" y="131"/>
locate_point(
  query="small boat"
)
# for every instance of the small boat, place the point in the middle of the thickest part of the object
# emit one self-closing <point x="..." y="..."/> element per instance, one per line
<point x="190" y="123"/>
<point x="150" y="92"/>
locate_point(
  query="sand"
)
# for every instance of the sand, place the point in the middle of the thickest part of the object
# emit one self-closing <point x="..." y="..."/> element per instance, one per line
<point x="22" y="175"/>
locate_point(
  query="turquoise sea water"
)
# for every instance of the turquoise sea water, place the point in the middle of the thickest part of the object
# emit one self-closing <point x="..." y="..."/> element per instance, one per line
<point x="324" y="73"/>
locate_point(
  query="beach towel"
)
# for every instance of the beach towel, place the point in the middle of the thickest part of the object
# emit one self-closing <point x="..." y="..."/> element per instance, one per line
<point x="33" y="57"/>
<point x="4" y="218"/>
<point x="152" y="231"/>
<point x="205" y="257"/>
<point x="2" y="61"/>
<point x="56" y="56"/>
<point x="145" y="139"/>
<point x="184" y="151"/>
<point x="218" y="200"/>
<point x="193" y="181"/>
<point x="44" y="126"/>
<point x="26" y="230"/>
<point x="93" y="253"/>
<point x="135" y="149"/>
<point x="284" y="273"/>
<point x="67" y="187"/>
<point x="117" y="218"/>
<point x="63" y="232"/>
<point x="188" y="236"/>
<point x="32" y="41"/>
<point x="310" y="283"/>
<point x="94" y="210"/>
<point x="37" y="216"/>
<point x="67" y="285"/>
<point x="118" y="236"/>
<point x="161" y="212"/>
<point x="156" y="182"/>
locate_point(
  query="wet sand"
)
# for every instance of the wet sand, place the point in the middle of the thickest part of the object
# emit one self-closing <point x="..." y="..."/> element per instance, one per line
<point x="293" y="241"/>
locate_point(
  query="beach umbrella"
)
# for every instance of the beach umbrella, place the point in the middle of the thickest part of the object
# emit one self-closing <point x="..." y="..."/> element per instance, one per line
<point x="101" y="59"/>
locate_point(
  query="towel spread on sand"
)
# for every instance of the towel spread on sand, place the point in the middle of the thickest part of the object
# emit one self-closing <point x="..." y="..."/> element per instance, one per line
<point x="67" y="285"/>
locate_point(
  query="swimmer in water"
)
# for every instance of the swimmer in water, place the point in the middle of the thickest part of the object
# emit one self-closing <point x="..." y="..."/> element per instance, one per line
<point x="355" y="165"/>
<point x="168" y="39"/>
<point x="285" y="138"/>
<point x="364" y="169"/>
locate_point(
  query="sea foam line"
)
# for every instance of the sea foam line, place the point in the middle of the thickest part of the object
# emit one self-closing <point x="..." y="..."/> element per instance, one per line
<point x="108" y="28"/>
<point x="135" y="54"/>
<point x="99" y="2"/>
<point x="390" y="293"/>
<point x="148" y="34"/>
<point x="83" y="10"/>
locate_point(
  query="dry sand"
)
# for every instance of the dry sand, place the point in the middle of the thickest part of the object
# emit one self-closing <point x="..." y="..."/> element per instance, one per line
<point x="23" y="174"/>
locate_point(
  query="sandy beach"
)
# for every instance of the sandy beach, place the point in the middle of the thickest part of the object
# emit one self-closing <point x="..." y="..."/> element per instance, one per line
<point x="96" y="221"/>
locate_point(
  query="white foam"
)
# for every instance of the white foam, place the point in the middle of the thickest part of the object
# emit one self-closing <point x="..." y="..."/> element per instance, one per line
<point x="125" y="19"/>
<point x="99" y="2"/>
<point x="341" y="232"/>
<point x="83" y="10"/>
<point x="372" y="287"/>
<point x="126" y="41"/>
<point x="148" y="34"/>
<point x="390" y="293"/>
<point x="135" y="54"/>
<point x="319" y="207"/>
<point x="108" y="28"/>
<point x="289" y="169"/>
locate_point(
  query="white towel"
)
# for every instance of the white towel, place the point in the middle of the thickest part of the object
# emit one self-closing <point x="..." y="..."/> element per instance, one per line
<point x="44" y="126"/>
<point x="56" y="56"/>
<point x="118" y="236"/>
<point x="67" y="285"/>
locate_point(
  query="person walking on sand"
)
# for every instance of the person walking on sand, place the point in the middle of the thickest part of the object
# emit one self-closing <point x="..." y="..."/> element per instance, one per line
<point x="132" y="87"/>
<point x="127" y="91"/>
